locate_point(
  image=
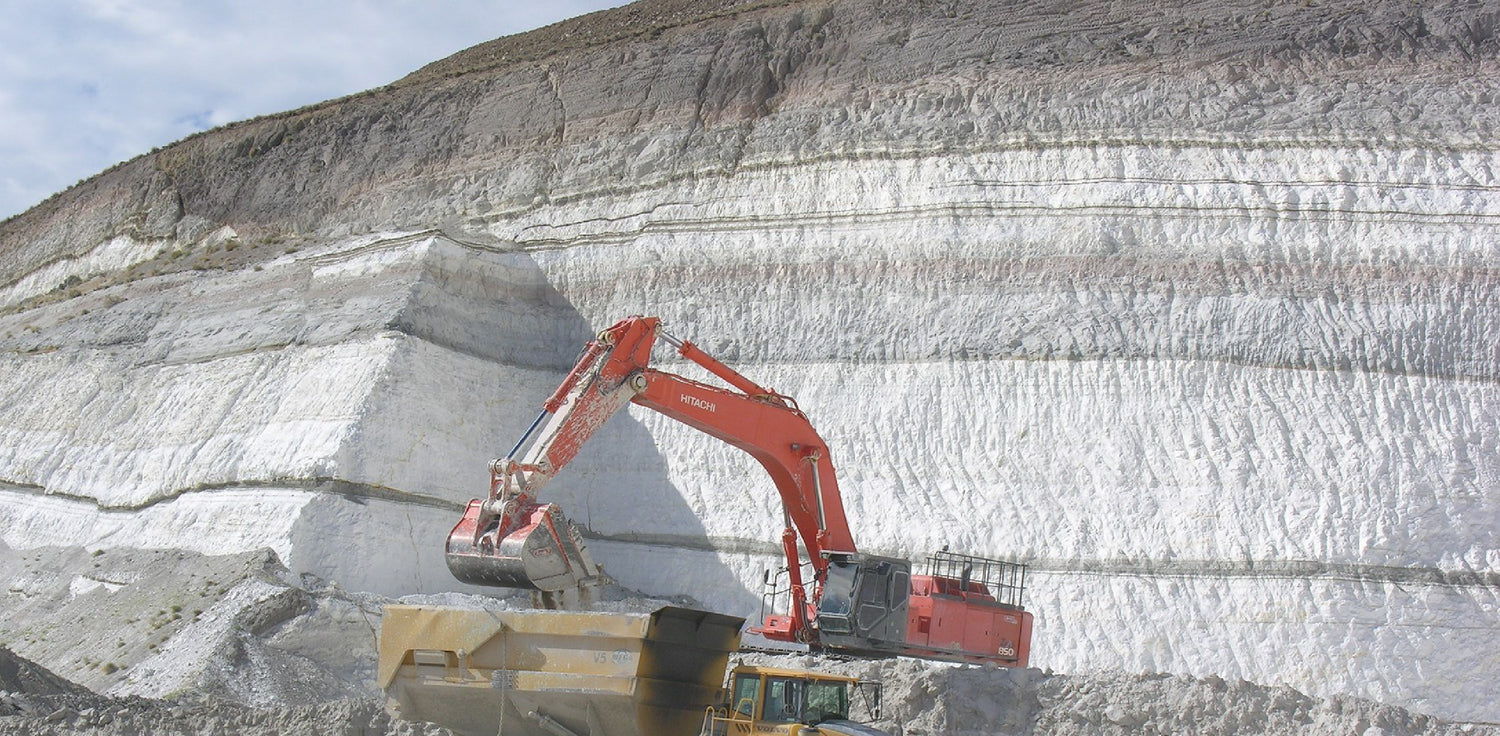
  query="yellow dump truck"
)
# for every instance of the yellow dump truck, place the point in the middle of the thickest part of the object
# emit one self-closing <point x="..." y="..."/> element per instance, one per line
<point x="557" y="673"/>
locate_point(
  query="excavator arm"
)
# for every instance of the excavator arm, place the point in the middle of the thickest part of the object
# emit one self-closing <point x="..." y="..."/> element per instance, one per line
<point x="512" y="540"/>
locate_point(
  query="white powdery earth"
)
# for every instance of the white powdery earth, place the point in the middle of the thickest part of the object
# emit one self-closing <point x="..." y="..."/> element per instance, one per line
<point x="220" y="422"/>
<point x="1167" y="374"/>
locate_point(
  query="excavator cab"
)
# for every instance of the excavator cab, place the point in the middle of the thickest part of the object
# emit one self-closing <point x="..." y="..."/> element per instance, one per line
<point x="864" y="603"/>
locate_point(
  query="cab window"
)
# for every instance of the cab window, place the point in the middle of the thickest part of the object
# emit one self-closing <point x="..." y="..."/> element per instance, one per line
<point x="837" y="589"/>
<point x="827" y="701"/>
<point x="746" y="694"/>
<point x="783" y="700"/>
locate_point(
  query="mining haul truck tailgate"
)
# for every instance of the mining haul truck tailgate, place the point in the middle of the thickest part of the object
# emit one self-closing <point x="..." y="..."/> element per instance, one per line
<point x="545" y="673"/>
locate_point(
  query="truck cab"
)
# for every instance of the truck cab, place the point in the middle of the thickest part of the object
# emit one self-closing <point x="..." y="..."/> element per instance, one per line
<point x="768" y="700"/>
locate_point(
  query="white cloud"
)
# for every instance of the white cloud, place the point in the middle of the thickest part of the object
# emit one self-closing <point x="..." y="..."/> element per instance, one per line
<point x="85" y="84"/>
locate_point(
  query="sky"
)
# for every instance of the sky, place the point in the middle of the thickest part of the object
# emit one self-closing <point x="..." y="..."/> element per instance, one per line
<point x="86" y="84"/>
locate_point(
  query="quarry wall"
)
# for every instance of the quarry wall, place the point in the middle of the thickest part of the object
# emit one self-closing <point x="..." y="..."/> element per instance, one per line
<point x="1196" y="312"/>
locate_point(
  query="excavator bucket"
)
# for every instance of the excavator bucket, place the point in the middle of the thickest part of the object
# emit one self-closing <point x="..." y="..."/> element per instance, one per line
<point x="535" y="548"/>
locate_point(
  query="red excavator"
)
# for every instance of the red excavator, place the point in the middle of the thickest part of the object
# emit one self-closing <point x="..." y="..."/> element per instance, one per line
<point x="964" y="608"/>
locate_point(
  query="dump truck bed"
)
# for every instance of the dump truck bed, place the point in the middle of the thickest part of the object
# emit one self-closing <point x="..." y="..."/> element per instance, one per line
<point x="590" y="674"/>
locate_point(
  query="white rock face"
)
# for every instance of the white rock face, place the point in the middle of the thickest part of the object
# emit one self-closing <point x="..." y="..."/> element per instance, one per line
<point x="1213" y="344"/>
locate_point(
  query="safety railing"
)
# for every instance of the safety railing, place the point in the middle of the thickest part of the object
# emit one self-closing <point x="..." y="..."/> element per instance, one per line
<point x="1004" y="580"/>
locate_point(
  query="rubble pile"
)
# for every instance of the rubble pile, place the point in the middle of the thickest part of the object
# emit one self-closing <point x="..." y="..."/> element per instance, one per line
<point x="921" y="699"/>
